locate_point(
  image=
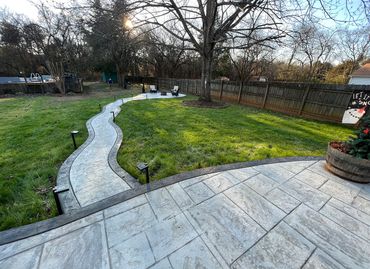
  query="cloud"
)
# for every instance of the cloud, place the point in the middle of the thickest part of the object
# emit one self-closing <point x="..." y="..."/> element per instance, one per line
<point x="20" y="7"/>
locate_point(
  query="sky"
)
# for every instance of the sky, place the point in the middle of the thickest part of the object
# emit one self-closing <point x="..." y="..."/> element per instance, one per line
<point x="26" y="7"/>
<point x="20" y="7"/>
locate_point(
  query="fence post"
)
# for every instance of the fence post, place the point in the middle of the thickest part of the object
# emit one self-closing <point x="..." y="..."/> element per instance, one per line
<point x="304" y="99"/>
<point x="240" y="92"/>
<point x="187" y="85"/>
<point x="266" y="94"/>
<point x="222" y="89"/>
<point x="196" y="87"/>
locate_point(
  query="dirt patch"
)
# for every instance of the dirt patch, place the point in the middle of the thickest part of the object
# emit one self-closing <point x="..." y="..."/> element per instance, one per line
<point x="204" y="104"/>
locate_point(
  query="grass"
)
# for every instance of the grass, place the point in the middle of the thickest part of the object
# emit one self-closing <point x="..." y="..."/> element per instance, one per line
<point x="173" y="138"/>
<point x="35" y="140"/>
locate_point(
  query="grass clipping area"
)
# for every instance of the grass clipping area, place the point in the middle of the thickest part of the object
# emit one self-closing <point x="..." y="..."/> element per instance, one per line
<point x="35" y="140"/>
<point x="174" y="138"/>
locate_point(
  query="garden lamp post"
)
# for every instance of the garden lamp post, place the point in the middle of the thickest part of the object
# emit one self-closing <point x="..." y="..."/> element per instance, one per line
<point x="114" y="117"/>
<point x="56" y="190"/>
<point x="144" y="167"/>
<point x="73" y="133"/>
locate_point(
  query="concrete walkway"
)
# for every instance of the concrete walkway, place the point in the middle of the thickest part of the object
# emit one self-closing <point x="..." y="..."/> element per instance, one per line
<point x="282" y="215"/>
<point x="91" y="177"/>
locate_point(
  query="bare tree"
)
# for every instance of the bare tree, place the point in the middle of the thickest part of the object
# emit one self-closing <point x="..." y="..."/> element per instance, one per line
<point x="213" y="26"/>
<point x="165" y="53"/>
<point x="111" y="37"/>
<point x="312" y="46"/>
<point x="251" y="61"/>
<point x="56" y="40"/>
<point x="355" y="45"/>
<point x="16" y="56"/>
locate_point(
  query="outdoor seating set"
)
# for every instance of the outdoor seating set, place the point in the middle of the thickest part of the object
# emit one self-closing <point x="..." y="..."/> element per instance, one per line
<point x="175" y="91"/>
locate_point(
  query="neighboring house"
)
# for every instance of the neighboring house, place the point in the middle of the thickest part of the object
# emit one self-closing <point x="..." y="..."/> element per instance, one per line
<point x="258" y="78"/>
<point x="222" y="78"/>
<point x="361" y="76"/>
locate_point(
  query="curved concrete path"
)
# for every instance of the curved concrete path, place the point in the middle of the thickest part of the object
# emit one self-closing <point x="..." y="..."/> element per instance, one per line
<point x="277" y="215"/>
<point x="92" y="177"/>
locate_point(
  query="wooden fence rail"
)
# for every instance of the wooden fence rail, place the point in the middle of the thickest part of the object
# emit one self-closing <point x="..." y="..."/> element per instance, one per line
<point x="317" y="101"/>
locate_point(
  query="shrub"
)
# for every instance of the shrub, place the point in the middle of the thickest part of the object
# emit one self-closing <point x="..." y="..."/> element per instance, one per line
<point x="359" y="146"/>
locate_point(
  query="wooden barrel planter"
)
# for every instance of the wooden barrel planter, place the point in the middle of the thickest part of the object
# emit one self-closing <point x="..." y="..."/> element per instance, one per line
<point x="347" y="166"/>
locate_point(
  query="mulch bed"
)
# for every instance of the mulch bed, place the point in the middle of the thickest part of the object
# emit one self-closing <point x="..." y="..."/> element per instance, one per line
<point x="204" y="104"/>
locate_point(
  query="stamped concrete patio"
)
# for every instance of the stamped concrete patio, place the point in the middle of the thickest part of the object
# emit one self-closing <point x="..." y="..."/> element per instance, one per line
<point x="281" y="215"/>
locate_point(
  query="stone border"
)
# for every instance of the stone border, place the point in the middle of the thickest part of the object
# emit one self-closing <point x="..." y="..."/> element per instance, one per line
<point x="29" y="230"/>
<point x="68" y="200"/>
<point x="112" y="156"/>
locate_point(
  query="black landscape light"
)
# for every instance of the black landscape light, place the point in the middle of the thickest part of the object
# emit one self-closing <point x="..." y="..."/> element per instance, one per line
<point x="56" y="190"/>
<point x="114" y="117"/>
<point x="144" y="167"/>
<point x="73" y="133"/>
<point x="100" y="107"/>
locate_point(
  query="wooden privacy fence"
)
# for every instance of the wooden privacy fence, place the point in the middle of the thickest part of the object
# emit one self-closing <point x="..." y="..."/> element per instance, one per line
<point x="317" y="101"/>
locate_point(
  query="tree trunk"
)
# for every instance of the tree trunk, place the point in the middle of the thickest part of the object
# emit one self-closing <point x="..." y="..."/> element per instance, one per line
<point x="57" y="72"/>
<point x="121" y="73"/>
<point x="205" y="94"/>
<point x="62" y="78"/>
<point x="119" y="78"/>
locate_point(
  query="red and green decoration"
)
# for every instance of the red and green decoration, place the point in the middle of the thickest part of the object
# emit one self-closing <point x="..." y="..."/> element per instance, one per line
<point x="359" y="146"/>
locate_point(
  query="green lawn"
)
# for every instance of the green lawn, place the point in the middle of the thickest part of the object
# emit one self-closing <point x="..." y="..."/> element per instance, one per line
<point x="173" y="138"/>
<point x="35" y="140"/>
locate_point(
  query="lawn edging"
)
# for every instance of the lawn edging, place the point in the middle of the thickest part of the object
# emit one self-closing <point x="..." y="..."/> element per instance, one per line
<point x="112" y="157"/>
<point x="68" y="200"/>
<point x="33" y="229"/>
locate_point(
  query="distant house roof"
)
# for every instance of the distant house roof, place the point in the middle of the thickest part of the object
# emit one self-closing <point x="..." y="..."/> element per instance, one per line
<point x="363" y="71"/>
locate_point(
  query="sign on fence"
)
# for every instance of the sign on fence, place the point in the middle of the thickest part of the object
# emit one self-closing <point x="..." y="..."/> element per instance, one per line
<point x="357" y="107"/>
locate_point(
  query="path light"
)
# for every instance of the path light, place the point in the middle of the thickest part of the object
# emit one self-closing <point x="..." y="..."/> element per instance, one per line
<point x="56" y="190"/>
<point x="73" y="133"/>
<point x="144" y="167"/>
<point x="100" y="107"/>
<point x="114" y="117"/>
